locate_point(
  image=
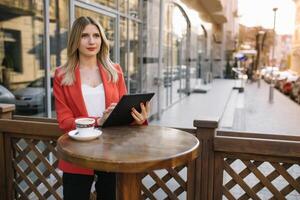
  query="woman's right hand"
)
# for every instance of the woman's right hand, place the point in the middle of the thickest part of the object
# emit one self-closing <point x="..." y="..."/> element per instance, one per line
<point x="106" y="113"/>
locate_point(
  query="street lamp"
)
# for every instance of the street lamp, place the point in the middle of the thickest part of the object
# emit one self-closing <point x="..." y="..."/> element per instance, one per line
<point x="271" y="93"/>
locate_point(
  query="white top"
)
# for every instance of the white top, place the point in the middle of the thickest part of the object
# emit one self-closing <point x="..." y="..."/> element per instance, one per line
<point x="94" y="99"/>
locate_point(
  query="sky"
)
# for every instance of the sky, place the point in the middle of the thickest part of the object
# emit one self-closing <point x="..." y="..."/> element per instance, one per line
<point x="260" y="13"/>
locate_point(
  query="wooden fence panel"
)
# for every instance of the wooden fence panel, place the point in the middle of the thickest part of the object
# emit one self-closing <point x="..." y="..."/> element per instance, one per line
<point x="257" y="168"/>
<point x="31" y="165"/>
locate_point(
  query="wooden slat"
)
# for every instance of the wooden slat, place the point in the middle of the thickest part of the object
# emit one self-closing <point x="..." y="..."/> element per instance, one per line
<point x="38" y="174"/>
<point x="227" y="194"/>
<point x="3" y="186"/>
<point x="30" y="128"/>
<point x="287" y="189"/>
<point x="33" y="188"/>
<point x="240" y="181"/>
<point x="147" y="193"/>
<point x="286" y="176"/>
<point x="20" y="192"/>
<point x="163" y="186"/>
<point x="165" y="179"/>
<point x="178" y="179"/>
<point x="178" y="191"/>
<point x="267" y="136"/>
<point x="218" y="176"/>
<point x="4" y="107"/>
<point x="262" y="147"/>
<point x="244" y="173"/>
<point x="9" y="168"/>
<point x="263" y="158"/>
<point x="204" y="123"/>
<point x="191" y="167"/>
<point x="264" y="180"/>
<point x="35" y="119"/>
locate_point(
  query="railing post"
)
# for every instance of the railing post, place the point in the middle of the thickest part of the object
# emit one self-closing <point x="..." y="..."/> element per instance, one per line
<point x="6" y="111"/>
<point x="204" y="171"/>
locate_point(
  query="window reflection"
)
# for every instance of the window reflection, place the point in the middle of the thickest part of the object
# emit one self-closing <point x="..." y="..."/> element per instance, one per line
<point x="22" y="60"/>
<point x="21" y="45"/>
<point x="134" y="8"/>
<point x="123" y="46"/>
<point x="133" y="58"/>
<point x="59" y="24"/>
<point x="109" y="3"/>
<point x="106" y="22"/>
<point x="123" y="6"/>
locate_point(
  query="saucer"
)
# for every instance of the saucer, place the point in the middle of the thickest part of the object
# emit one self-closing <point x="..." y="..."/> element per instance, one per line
<point x="86" y="137"/>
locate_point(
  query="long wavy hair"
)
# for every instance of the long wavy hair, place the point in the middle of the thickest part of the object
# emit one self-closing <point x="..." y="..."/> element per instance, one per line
<point x="68" y="69"/>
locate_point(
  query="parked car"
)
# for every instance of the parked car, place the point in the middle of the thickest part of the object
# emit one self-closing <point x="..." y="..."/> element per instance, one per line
<point x="6" y="96"/>
<point x="286" y="86"/>
<point x="266" y="71"/>
<point x="32" y="98"/>
<point x="295" y="92"/>
<point x="281" y="78"/>
<point x="270" y="73"/>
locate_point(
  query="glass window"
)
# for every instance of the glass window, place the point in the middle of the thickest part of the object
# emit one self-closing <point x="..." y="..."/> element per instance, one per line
<point x="123" y="46"/>
<point x="109" y="3"/>
<point x="123" y="6"/>
<point x="133" y="58"/>
<point x="108" y="23"/>
<point x="21" y="53"/>
<point x="59" y="25"/>
<point x="134" y="8"/>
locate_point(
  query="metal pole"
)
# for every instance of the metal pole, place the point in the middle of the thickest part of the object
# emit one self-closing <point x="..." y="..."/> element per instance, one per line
<point x="271" y="93"/>
<point x="47" y="58"/>
<point x="160" y="52"/>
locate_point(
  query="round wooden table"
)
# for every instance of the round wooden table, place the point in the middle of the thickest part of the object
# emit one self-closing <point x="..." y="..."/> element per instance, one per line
<point x="130" y="151"/>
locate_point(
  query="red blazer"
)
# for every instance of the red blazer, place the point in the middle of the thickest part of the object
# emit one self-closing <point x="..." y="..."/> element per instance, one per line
<point x="70" y="105"/>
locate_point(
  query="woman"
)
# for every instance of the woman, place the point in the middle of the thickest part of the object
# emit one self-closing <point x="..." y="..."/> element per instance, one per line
<point x="88" y="85"/>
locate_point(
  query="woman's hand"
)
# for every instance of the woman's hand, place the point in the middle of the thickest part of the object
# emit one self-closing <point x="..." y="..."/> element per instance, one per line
<point x="140" y="118"/>
<point x="106" y="113"/>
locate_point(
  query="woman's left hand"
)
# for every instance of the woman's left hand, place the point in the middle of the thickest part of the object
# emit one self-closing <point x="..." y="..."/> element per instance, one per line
<point x="140" y="118"/>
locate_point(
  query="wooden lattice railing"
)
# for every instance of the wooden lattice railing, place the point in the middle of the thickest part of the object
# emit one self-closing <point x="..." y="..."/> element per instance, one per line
<point x="259" y="179"/>
<point x="159" y="180"/>
<point x="252" y="167"/>
<point x="232" y="165"/>
<point x="30" y="167"/>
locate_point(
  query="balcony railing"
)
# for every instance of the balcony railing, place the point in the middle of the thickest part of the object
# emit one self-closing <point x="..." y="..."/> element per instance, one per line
<point x="235" y="165"/>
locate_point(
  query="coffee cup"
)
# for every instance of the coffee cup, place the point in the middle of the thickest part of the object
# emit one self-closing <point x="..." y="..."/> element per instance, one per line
<point x="85" y="126"/>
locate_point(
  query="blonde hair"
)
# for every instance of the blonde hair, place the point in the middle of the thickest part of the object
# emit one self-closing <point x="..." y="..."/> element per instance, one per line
<point x="68" y="69"/>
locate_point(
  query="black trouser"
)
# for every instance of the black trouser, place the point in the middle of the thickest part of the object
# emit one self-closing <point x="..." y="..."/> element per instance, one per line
<point x="78" y="186"/>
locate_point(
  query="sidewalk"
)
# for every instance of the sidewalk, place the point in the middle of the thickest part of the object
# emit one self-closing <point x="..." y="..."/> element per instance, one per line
<point x="258" y="115"/>
<point x="198" y="106"/>
<point x="249" y="111"/>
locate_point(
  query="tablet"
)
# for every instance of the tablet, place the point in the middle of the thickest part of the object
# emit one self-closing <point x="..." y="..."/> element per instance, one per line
<point x="121" y="114"/>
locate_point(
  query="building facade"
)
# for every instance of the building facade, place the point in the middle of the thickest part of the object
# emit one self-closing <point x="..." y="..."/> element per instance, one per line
<point x="157" y="44"/>
<point x="295" y="57"/>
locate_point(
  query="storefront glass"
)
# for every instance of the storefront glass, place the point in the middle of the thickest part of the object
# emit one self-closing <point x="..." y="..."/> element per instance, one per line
<point x="123" y="6"/>
<point x="21" y="54"/>
<point x="59" y="25"/>
<point x="123" y="46"/>
<point x="174" y="54"/>
<point x="109" y="3"/>
<point x="133" y="58"/>
<point x="134" y="8"/>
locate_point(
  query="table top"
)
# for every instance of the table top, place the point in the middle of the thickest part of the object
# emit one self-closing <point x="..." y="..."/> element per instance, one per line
<point x="131" y="149"/>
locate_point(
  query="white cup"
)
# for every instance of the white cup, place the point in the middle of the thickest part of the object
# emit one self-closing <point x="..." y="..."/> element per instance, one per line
<point x="85" y="126"/>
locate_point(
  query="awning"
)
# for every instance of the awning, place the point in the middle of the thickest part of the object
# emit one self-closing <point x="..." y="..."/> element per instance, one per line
<point x="209" y="10"/>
